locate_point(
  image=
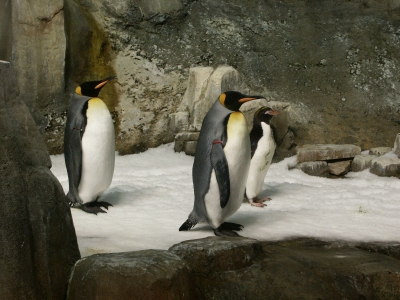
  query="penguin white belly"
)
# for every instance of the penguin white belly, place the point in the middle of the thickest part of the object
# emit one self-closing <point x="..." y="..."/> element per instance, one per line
<point x="260" y="162"/>
<point x="237" y="153"/>
<point x="98" y="151"/>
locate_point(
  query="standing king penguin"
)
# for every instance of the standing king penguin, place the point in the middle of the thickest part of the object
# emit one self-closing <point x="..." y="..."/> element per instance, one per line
<point x="89" y="147"/>
<point x="221" y="165"/>
<point x="262" y="150"/>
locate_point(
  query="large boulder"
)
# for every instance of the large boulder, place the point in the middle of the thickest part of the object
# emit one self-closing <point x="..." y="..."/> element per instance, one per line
<point x="38" y="241"/>
<point x="149" y="274"/>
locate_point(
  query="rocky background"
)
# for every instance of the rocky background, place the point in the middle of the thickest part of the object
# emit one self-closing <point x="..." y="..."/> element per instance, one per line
<point x="334" y="61"/>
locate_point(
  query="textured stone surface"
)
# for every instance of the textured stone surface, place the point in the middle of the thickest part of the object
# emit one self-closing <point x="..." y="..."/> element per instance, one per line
<point x="38" y="241"/>
<point x="149" y="274"/>
<point x="38" y="56"/>
<point x="326" y="152"/>
<point x="215" y="253"/>
<point x="340" y="167"/>
<point x="314" y="168"/>
<point x="379" y="151"/>
<point x="242" y="268"/>
<point x="310" y="55"/>
<point x="385" y="166"/>
<point x="396" y="148"/>
<point x="362" y="162"/>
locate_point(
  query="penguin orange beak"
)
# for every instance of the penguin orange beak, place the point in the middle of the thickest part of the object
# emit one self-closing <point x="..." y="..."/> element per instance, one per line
<point x="272" y="112"/>
<point x="104" y="82"/>
<point x="243" y="100"/>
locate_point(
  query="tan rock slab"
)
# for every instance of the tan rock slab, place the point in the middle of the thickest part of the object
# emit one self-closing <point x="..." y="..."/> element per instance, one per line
<point x="385" y="166"/>
<point x="340" y="167"/>
<point x="326" y="152"/>
<point x="379" y="151"/>
<point x="361" y="162"/>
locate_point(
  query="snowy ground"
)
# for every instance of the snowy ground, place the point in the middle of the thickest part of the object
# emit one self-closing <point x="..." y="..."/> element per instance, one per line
<point x="152" y="195"/>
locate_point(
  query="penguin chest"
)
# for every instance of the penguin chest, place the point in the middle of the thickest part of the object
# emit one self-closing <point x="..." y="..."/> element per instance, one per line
<point x="237" y="153"/>
<point x="260" y="162"/>
<point x="98" y="151"/>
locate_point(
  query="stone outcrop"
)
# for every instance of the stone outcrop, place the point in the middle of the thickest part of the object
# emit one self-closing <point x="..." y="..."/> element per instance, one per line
<point x="340" y="167"/>
<point x="38" y="241"/>
<point x="242" y="268"/>
<point x="314" y="168"/>
<point x="204" y="87"/>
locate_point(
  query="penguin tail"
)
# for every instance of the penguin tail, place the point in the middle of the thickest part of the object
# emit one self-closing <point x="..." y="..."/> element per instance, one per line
<point x="188" y="224"/>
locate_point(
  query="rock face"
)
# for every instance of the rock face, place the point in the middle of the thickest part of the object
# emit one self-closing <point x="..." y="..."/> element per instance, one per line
<point x="340" y="167"/>
<point x="241" y="268"/>
<point x="314" y="168"/>
<point x="38" y="56"/>
<point x="150" y="274"/>
<point x="312" y="56"/>
<point x="38" y="241"/>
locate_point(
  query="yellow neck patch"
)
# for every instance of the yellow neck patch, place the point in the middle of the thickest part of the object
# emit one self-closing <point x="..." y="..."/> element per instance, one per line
<point x="222" y="99"/>
<point x="78" y="90"/>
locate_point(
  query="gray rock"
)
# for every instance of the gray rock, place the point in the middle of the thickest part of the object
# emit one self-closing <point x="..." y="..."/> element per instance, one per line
<point x="326" y="152"/>
<point x="339" y="168"/>
<point x="379" y="151"/>
<point x="149" y="274"/>
<point x="38" y="241"/>
<point x="396" y="148"/>
<point x="314" y="168"/>
<point x="190" y="147"/>
<point x="215" y="253"/>
<point x="385" y="166"/>
<point x="187" y="136"/>
<point x="361" y="162"/>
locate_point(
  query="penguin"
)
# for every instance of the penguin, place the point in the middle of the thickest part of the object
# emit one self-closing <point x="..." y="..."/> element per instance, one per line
<point x="262" y="150"/>
<point x="221" y="165"/>
<point x="89" y="147"/>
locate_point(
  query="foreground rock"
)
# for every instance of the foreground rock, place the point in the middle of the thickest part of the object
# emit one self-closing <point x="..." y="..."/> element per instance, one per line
<point x="362" y="162"/>
<point x="150" y="274"/>
<point x="38" y="242"/>
<point x="242" y="268"/>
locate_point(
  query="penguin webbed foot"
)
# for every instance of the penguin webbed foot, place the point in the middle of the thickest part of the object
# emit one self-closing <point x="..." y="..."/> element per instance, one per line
<point x="95" y="207"/>
<point x="228" y="229"/>
<point x="259" y="202"/>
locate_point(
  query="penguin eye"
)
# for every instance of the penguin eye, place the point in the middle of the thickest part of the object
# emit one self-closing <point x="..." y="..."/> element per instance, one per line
<point x="222" y="99"/>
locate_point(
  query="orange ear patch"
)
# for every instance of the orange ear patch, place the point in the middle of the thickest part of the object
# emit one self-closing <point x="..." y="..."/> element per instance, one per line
<point x="222" y="99"/>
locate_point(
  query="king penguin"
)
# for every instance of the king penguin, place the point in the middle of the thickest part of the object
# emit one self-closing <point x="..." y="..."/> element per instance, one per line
<point x="89" y="147"/>
<point x="262" y="150"/>
<point x="221" y="165"/>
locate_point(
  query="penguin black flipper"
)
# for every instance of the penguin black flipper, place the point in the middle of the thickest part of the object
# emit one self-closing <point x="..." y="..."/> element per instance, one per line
<point x="75" y="128"/>
<point x="220" y="166"/>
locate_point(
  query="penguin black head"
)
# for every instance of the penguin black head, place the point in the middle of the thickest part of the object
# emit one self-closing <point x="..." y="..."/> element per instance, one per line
<point x="264" y="114"/>
<point x="233" y="100"/>
<point x="92" y="88"/>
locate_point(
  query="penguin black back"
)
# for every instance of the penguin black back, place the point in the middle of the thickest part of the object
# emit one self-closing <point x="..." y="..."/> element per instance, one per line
<point x="264" y="114"/>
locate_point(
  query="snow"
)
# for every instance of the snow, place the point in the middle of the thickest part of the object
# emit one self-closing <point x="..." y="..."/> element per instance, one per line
<point x="152" y="195"/>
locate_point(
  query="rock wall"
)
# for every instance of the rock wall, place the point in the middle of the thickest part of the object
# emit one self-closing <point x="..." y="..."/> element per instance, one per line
<point x="38" y="242"/>
<point x="334" y="61"/>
